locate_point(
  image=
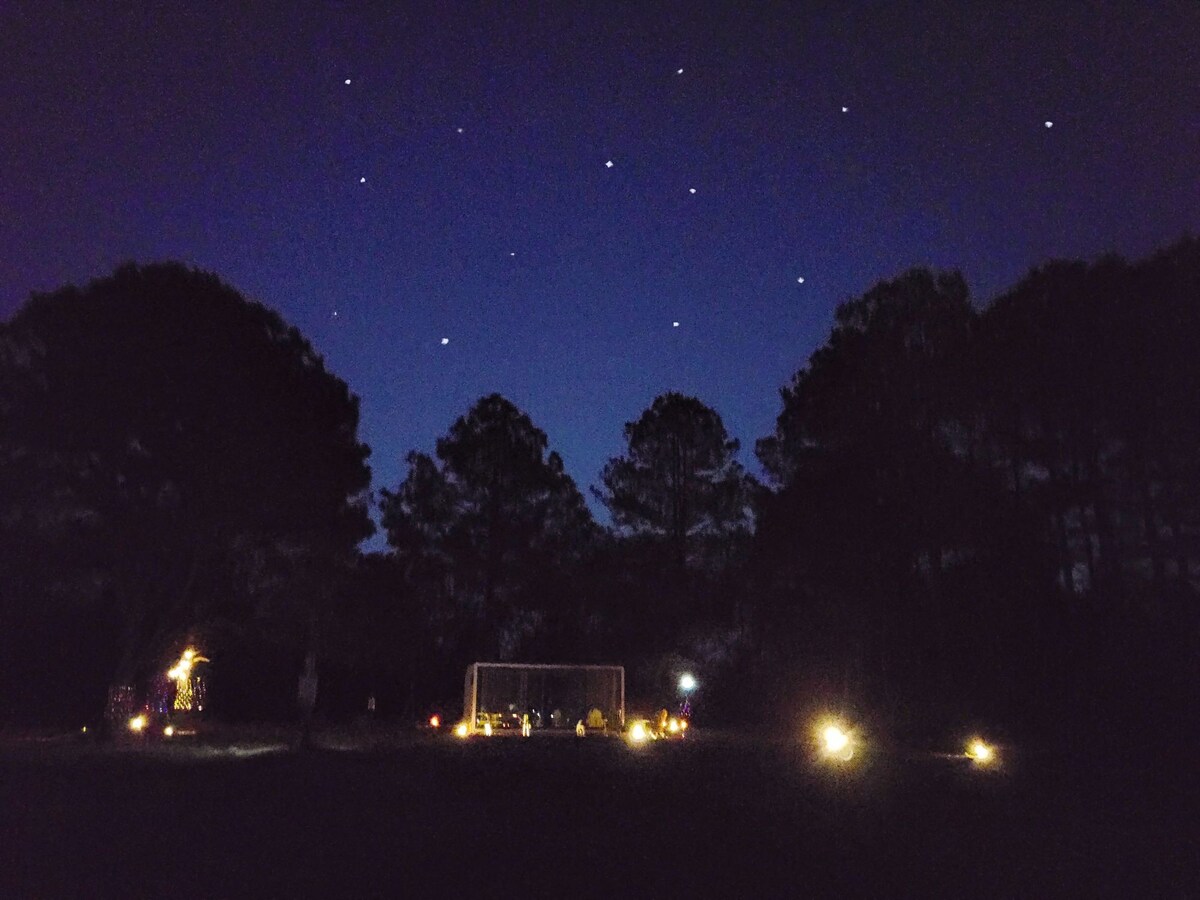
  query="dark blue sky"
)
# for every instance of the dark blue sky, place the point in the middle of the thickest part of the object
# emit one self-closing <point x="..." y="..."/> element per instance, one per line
<point x="230" y="140"/>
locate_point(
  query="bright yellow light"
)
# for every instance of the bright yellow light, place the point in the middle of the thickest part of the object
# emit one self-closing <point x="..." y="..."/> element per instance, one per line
<point x="980" y="752"/>
<point x="673" y="726"/>
<point x="435" y="722"/>
<point x="84" y="729"/>
<point x="137" y="723"/>
<point x="168" y="731"/>
<point x="683" y="724"/>
<point x="461" y="729"/>
<point x="487" y="729"/>
<point x="189" y="654"/>
<point x="637" y="733"/>
<point x="835" y="739"/>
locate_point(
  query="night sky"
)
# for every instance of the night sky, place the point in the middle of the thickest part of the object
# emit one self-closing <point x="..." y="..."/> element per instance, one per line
<point x="552" y="190"/>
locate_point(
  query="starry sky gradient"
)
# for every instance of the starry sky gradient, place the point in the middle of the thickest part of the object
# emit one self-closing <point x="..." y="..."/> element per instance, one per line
<point x="229" y="139"/>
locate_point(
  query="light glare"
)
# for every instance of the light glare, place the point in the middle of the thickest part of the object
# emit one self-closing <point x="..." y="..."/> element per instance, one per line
<point x="980" y="752"/>
<point x="835" y="739"/>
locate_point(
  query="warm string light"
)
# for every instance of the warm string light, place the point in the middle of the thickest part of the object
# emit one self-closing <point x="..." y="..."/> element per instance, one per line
<point x="189" y="688"/>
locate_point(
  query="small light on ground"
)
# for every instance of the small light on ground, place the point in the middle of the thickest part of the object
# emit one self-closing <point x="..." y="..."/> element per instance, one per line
<point x="168" y="731"/>
<point x="487" y="729"/>
<point x="137" y="723"/>
<point x="461" y="729"/>
<point x="435" y="722"/>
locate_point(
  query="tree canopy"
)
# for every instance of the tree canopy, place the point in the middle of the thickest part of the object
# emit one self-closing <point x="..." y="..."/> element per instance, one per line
<point x="184" y="450"/>
<point x="987" y="510"/>
<point x="679" y="480"/>
<point x="490" y="528"/>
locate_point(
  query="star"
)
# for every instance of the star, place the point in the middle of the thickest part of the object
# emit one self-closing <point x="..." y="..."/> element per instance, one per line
<point x="800" y="280"/>
<point x="445" y="341"/>
<point x="845" y="109"/>
<point x="1049" y="124"/>
<point x="335" y="313"/>
<point x="347" y="81"/>
<point x="609" y="164"/>
<point x="679" y="71"/>
<point x="512" y="254"/>
<point x="459" y="130"/>
<point x="674" y="324"/>
<point x="362" y="180"/>
<point x="691" y="190"/>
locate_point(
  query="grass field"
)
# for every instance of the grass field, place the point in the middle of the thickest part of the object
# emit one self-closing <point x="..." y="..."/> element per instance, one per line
<point x="718" y="815"/>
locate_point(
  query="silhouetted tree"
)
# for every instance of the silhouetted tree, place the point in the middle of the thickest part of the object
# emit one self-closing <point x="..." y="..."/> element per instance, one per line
<point x="679" y="481"/>
<point x="492" y="533"/>
<point x="949" y="484"/>
<point x="193" y="465"/>
<point x="880" y="507"/>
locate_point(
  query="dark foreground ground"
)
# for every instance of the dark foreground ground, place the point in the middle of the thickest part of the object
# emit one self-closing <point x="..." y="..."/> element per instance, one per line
<point x="718" y="815"/>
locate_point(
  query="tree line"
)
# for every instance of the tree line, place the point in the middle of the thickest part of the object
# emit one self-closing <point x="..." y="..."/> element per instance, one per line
<point x="967" y="510"/>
